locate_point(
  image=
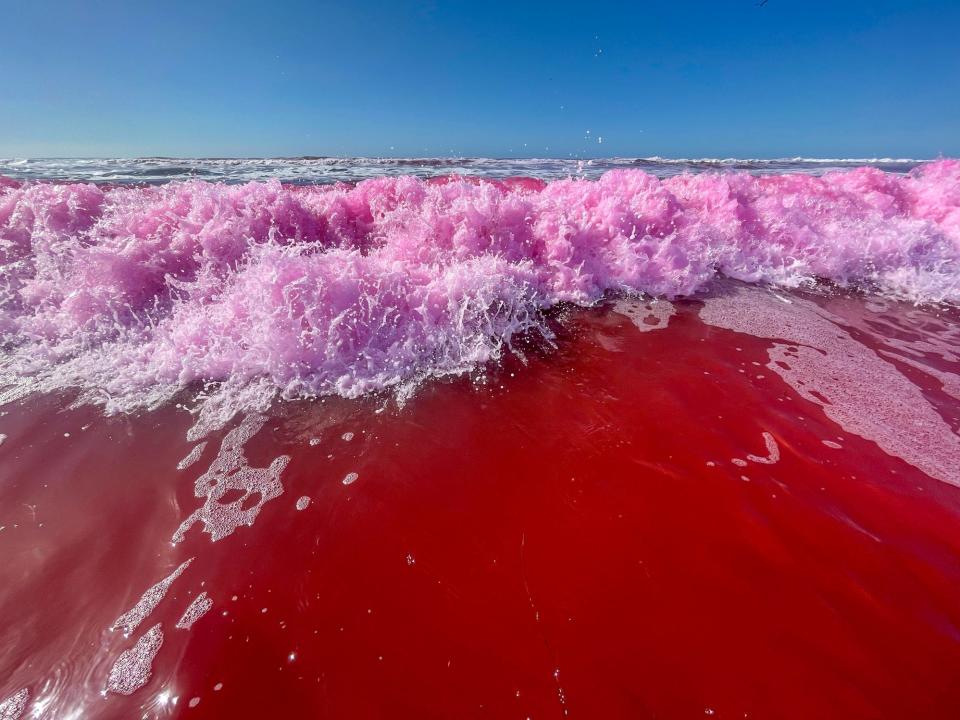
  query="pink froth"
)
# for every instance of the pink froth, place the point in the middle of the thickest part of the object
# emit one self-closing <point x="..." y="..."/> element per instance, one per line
<point x="347" y="289"/>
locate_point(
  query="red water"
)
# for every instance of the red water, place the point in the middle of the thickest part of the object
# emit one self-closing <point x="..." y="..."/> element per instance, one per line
<point x="567" y="538"/>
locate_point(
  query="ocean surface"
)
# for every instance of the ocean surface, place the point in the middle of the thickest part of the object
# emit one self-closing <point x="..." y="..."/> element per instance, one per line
<point x="320" y="170"/>
<point x="367" y="438"/>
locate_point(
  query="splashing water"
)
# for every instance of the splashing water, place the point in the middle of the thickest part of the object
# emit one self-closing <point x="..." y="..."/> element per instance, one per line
<point x="131" y="294"/>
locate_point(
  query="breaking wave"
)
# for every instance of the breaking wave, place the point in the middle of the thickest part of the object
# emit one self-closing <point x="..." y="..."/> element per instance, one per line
<point x="131" y="294"/>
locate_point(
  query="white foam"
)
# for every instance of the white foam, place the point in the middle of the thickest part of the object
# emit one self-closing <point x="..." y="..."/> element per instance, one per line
<point x="350" y="478"/>
<point x="303" y="502"/>
<point x="949" y="382"/>
<point x="773" y="451"/>
<point x="13" y="707"/>
<point x="646" y="315"/>
<point x="195" y="610"/>
<point x="192" y="456"/>
<point x="129" y="621"/>
<point x="230" y="399"/>
<point x="864" y="394"/>
<point x="134" y="666"/>
<point x="230" y="472"/>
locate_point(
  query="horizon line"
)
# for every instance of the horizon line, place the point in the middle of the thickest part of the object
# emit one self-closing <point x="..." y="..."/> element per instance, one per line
<point x="650" y="158"/>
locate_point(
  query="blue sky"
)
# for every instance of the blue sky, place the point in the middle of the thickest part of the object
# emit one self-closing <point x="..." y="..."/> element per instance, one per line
<point x="671" y="78"/>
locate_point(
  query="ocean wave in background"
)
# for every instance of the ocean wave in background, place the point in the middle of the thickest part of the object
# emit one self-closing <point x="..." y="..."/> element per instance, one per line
<point x="312" y="170"/>
<point x="131" y="294"/>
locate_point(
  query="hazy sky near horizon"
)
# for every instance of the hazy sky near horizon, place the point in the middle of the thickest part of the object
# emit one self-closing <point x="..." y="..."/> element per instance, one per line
<point x="719" y="78"/>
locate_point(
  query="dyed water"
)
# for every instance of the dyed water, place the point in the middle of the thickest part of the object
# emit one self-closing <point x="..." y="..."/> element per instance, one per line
<point x="433" y="449"/>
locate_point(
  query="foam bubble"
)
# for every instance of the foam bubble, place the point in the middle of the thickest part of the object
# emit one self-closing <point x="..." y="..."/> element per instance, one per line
<point x="195" y="610"/>
<point x="773" y="451"/>
<point x="133" y="668"/>
<point x="233" y="492"/>
<point x="130" y="620"/>
<point x="192" y="456"/>
<point x="864" y="394"/>
<point x="646" y="316"/>
<point x="303" y="502"/>
<point x="350" y="478"/>
<point x="949" y="382"/>
<point x="14" y="706"/>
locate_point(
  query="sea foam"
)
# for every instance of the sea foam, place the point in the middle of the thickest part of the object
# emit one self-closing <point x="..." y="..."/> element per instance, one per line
<point x="132" y="293"/>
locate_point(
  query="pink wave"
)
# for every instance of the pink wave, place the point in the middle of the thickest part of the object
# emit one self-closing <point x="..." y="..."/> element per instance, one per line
<point x="348" y="289"/>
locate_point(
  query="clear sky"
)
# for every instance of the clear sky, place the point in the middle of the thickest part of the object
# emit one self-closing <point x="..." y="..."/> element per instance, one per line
<point x="694" y="78"/>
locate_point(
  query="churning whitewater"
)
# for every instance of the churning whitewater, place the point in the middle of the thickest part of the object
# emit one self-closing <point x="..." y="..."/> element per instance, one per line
<point x="130" y="294"/>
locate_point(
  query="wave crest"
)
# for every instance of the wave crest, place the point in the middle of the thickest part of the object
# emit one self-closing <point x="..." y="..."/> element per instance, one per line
<point x="347" y="289"/>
